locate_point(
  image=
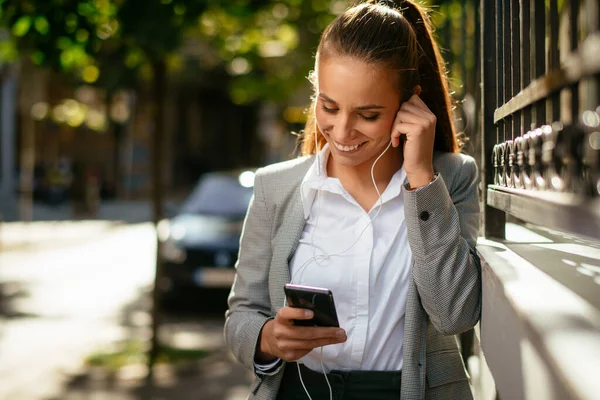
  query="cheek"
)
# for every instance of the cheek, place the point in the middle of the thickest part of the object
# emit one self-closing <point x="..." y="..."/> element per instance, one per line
<point x="324" y="121"/>
<point x="322" y="118"/>
<point x="377" y="129"/>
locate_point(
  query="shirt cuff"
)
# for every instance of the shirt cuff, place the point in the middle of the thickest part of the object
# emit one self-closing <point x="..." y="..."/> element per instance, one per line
<point x="268" y="369"/>
<point x="408" y="188"/>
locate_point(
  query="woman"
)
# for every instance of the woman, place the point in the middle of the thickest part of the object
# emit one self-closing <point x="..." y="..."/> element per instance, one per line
<point x="390" y="230"/>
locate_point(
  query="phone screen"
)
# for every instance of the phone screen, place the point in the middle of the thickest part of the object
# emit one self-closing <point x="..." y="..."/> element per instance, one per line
<point x="319" y="300"/>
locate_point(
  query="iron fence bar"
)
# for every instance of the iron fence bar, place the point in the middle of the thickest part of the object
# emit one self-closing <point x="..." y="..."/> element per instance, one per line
<point x="463" y="47"/>
<point x="516" y="62"/>
<point x="493" y="218"/>
<point x="477" y="68"/>
<point x="499" y="66"/>
<point x="525" y="7"/>
<point x="593" y="25"/>
<point x="553" y="61"/>
<point x="539" y="53"/>
<point x="582" y="63"/>
<point x="573" y="44"/>
<point x="507" y="44"/>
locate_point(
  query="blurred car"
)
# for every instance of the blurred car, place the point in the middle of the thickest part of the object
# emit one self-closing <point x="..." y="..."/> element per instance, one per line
<point x="199" y="245"/>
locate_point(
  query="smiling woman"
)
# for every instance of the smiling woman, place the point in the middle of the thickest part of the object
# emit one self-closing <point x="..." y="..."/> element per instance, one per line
<point x="355" y="116"/>
<point x="380" y="211"/>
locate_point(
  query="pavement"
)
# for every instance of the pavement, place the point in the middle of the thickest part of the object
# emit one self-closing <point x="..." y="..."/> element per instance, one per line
<point x="128" y="211"/>
<point x="71" y="288"/>
<point x="55" y="225"/>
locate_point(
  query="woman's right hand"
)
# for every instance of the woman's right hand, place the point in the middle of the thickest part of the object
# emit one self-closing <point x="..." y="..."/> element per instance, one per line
<point x="280" y="338"/>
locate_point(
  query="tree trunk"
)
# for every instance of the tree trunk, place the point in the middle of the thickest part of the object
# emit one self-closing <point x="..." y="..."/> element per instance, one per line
<point x="32" y="90"/>
<point x="159" y="92"/>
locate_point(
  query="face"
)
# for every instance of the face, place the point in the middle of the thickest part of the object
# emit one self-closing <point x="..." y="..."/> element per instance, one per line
<point x="356" y="107"/>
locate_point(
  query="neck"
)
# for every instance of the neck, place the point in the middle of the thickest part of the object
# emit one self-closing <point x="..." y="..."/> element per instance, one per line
<point x="359" y="176"/>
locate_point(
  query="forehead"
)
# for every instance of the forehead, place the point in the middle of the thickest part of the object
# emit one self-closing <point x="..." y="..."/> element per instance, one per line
<point x="347" y="79"/>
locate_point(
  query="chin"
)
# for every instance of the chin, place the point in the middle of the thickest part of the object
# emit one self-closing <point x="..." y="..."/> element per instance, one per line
<point x="350" y="160"/>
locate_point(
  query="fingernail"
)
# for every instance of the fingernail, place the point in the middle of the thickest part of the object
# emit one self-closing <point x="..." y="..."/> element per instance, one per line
<point x="340" y="333"/>
<point x="308" y="313"/>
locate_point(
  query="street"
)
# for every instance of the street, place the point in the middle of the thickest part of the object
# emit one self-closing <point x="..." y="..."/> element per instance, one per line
<point x="62" y="300"/>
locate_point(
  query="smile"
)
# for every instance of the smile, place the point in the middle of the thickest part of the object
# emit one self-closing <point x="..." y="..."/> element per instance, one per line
<point x="347" y="148"/>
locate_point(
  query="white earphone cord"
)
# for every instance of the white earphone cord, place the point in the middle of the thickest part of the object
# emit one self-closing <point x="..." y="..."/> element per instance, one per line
<point x="316" y="257"/>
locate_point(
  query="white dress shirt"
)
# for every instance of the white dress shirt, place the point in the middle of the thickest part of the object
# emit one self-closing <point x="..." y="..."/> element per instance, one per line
<point x="369" y="281"/>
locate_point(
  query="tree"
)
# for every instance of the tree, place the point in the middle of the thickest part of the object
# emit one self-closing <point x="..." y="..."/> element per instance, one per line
<point x="84" y="38"/>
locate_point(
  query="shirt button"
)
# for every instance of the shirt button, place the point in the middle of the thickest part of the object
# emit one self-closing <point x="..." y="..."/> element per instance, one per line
<point x="424" y="216"/>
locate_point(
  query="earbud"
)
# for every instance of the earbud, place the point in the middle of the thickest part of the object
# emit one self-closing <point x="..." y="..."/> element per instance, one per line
<point x="316" y="140"/>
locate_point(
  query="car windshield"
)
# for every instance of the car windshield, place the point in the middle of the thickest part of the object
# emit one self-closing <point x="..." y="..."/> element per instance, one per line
<point x="219" y="195"/>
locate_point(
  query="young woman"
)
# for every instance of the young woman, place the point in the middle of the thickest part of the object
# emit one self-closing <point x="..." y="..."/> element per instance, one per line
<point x="382" y="210"/>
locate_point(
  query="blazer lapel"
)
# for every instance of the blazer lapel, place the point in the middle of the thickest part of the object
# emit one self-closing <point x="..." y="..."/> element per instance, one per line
<point x="293" y="225"/>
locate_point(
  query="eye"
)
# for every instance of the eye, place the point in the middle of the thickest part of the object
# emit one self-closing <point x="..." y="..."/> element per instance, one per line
<point x="328" y="110"/>
<point x="370" y="117"/>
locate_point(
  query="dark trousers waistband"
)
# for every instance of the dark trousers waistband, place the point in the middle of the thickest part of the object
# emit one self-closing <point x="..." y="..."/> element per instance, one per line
<point x="345" y="385"/>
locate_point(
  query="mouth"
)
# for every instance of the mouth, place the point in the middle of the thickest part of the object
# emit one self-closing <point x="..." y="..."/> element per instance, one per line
<point x="347" y="149"/>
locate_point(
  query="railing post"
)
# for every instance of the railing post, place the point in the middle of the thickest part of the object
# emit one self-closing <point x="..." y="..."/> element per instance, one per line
<point x="493" y="219"/>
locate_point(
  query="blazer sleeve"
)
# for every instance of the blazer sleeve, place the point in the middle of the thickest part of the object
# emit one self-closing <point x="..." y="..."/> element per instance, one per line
<point x="249" y="304"/>
<point x="442" y="229"/>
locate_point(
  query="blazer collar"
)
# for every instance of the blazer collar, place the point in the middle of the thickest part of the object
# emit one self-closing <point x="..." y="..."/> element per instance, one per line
<point x="293" y="224"/>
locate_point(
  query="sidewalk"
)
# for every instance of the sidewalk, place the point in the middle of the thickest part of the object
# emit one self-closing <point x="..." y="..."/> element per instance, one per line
<point x="217" y="376"/>
<point x="128" y="211"/>
<point x="54" y="225"/>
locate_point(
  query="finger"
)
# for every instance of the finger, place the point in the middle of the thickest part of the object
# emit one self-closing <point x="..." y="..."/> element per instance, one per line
<point x="286" y="315"/>
<point x="405" y="128"/>
<point x="411" y="117"/>
<point x="402" y="129"/>
<point x="292" y="355"/>
<point x="425" y="113"/>
<point x="300" y="345"/>
<point x="417" y="101"/>
<point x="315" y="332"/>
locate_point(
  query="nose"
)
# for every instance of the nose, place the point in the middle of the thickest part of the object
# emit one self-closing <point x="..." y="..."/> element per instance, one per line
<point x="342" y="128"/>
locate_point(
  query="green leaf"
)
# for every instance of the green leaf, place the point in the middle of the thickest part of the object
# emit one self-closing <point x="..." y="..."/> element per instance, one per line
<point x="86" y="9"/>
<point x="41" y="25"/>
<point x="38" y="57"/>
<point x="21" y="26"/>
<point x="63" y="43"/>
<point x="82" y="35"/>
<point x="8" y="52"/>
<point x="180" y="9"/>
<point x="71" y="22"/>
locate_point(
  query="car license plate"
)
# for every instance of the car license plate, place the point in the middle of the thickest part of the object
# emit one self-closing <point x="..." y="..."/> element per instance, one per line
<point x="214" y="277"/>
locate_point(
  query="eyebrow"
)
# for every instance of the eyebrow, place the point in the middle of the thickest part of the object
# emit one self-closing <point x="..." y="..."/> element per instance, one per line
<point x="360" y="108"/>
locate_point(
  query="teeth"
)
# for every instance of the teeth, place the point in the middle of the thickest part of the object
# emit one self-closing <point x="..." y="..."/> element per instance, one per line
<point x="346" y="148"/>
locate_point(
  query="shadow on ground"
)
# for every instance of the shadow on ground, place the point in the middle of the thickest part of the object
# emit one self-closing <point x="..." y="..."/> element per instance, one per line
<point x="10" y="294"/>
<point x="197" y="326"/>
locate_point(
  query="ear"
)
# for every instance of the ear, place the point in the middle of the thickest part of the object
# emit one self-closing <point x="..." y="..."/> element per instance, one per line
<point x="417" y="90"/>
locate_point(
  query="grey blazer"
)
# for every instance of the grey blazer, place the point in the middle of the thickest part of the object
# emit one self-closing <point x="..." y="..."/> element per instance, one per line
<point x="444" y="297"/>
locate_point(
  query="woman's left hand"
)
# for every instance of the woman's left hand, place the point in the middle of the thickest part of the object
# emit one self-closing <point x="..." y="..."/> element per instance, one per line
<point x="417" y="122"/>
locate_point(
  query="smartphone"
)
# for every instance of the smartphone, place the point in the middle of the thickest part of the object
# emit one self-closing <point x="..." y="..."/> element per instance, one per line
<point x="319" y="300"/>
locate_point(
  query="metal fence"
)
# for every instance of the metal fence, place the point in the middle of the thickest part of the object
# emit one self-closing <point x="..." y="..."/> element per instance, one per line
<point x="540" y="98"/>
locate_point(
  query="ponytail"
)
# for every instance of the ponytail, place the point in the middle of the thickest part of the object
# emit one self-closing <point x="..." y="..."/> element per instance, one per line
<point x="433" y="79"/>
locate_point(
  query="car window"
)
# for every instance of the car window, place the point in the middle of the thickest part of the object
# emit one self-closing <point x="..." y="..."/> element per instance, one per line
<point x="219" y="195"/>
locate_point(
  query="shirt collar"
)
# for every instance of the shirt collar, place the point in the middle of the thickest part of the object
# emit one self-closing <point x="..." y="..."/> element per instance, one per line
<point x="316" y="179"/>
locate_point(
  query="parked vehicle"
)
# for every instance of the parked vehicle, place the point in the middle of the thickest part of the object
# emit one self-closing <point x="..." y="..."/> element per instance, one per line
<point x="200" y="243"/>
